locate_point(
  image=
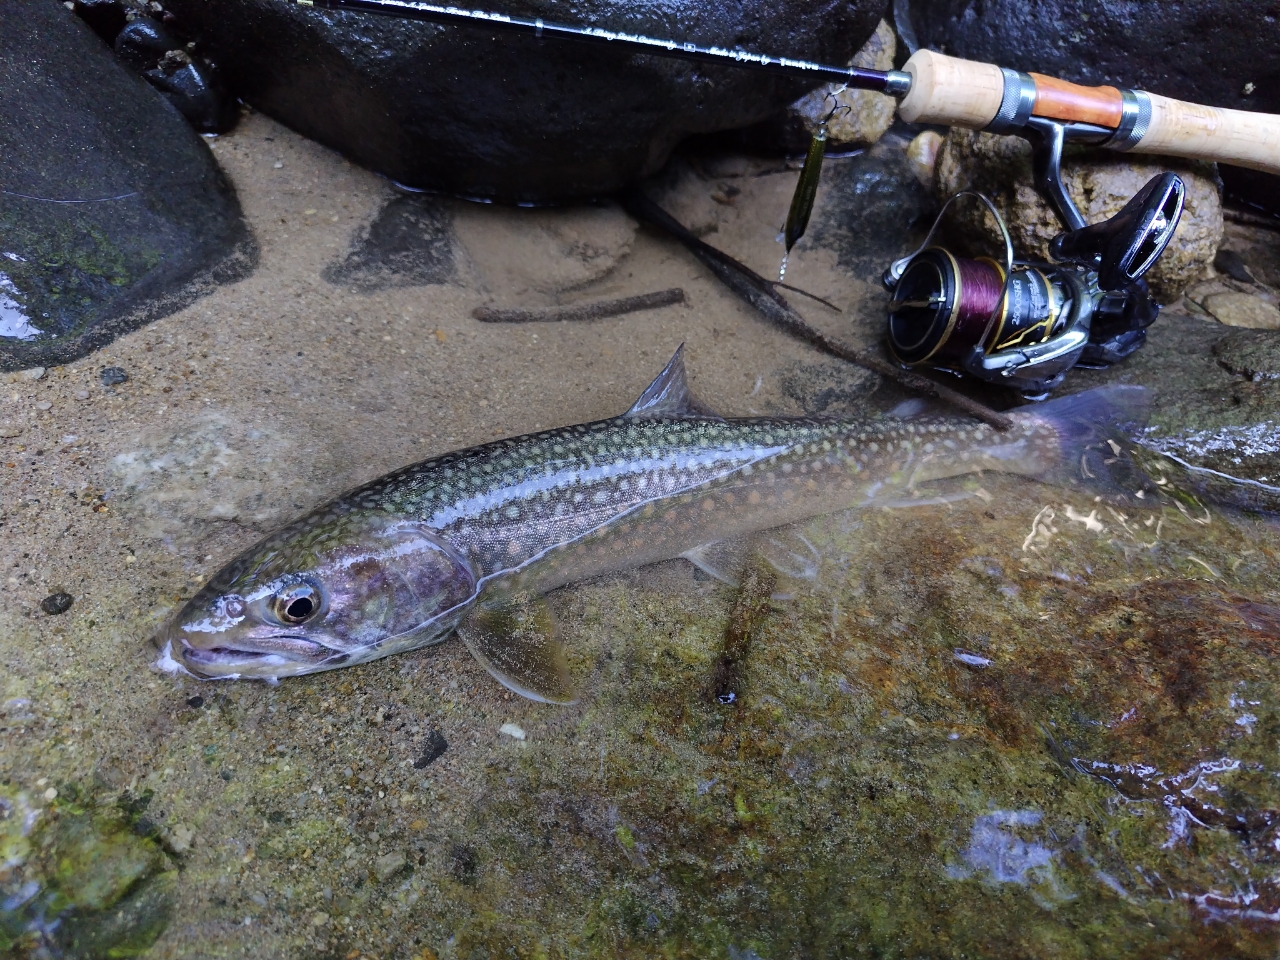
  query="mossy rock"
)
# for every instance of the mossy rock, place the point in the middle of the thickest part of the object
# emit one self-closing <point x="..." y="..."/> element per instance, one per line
<point x="112" y="211"/>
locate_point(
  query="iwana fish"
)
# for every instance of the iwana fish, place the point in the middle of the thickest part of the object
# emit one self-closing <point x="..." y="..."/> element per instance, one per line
<point x="470" y="540"/>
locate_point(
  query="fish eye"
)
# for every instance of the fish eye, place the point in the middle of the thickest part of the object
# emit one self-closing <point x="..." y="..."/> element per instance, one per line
<point x="296" y="603"/>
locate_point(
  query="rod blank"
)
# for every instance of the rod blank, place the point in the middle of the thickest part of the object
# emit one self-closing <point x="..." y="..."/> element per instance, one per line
<point x="886" y="82"/>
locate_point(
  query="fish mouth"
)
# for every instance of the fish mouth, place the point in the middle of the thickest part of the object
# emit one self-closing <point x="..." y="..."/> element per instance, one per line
<point x="276" y="656"/>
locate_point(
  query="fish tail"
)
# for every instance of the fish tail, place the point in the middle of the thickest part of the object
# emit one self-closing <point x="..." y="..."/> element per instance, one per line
<point x="1087" y="435"/>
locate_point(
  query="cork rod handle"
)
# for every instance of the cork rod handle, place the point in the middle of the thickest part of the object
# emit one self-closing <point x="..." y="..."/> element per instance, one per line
<point x="964" y="93"/>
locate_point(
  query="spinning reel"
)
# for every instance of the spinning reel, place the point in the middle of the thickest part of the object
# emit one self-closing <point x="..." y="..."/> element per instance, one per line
<point x="1024" y="324"/>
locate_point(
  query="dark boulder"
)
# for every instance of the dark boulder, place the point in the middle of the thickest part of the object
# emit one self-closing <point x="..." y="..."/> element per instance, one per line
<point x="1224" y="53"/>
<point x="511" y="117"/>
<point x="112" y="211"/>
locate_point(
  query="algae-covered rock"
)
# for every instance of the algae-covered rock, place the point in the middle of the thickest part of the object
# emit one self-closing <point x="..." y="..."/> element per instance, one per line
<point x="1099" y="182"/>
<point x="77" y="881"/>
<point x="112" y="211"/>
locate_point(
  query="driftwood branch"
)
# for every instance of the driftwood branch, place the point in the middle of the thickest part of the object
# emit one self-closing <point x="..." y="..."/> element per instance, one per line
<point x="763" y="295"/>
<point x="582" y="311"/>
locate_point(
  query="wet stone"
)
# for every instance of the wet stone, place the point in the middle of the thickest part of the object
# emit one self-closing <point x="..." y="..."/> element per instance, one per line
<point x="872" y="207"/>
<point x="113" y="376"/>
<point x="163" y="222"/>
<point x="57" y="603"/>
<point x="77" y="881"/>
<point x="196" y="702"/>
<point x="143" y="42"/>
<point x="1232" y="264"/>
<point x="509" y="117"/>
<point x="195" y="87"/>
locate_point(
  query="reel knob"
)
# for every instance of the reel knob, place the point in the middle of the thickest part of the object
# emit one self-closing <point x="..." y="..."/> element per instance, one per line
<point x="1127" y="245"/>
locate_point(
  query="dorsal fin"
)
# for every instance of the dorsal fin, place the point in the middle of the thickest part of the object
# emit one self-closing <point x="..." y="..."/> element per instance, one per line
<point x="669" y="397"/>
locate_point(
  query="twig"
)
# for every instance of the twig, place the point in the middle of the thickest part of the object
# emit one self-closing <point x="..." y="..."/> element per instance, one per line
<point x="806" y="293"/>
<point x="584" y="311"/>
<point x="762" y="295"/>
<point x="749" y="609"/>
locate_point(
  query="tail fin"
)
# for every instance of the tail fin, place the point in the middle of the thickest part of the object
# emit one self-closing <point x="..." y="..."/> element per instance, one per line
<point x="1092" y="431"/>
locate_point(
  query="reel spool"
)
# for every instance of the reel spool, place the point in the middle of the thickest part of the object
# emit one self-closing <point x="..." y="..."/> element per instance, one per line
<point x="1024" y="325"/>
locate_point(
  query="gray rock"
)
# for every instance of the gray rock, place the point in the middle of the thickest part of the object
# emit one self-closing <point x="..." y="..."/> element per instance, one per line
<point x="1243" y="310"/>
<point x="511" y="117"/>
<point x="1219" y="52"/>
<point x="154" y="218"/>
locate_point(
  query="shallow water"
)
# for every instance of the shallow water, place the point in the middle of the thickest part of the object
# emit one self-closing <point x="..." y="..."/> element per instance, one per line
<point x="1029" y="723"/>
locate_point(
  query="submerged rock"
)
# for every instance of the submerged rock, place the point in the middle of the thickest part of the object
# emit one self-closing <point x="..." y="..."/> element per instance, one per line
<point x="1099" y="182"/>
<point x="112" y="212"/>
<point x="77" y="880"/>
<point x="511" y="117"/>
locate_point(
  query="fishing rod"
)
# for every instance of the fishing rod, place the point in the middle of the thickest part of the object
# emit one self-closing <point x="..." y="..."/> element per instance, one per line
<point x="934" y="88"/>
<point x="1018" y="324"/>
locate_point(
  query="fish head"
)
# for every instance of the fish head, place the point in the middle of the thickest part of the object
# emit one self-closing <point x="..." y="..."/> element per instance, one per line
<point x="330" y="590"/>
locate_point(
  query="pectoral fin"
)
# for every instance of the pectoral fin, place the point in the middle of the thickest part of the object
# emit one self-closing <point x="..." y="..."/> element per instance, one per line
<point x="514" y="638"/>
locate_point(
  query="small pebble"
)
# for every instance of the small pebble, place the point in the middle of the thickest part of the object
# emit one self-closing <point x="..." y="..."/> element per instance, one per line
<point x="44" y="405"/>
<point x="196" y="702"/>
<point x="320" y="919"/>
<point x="56" y="603"/>
<point x="51" y="794"/>
<point x="511" y="730"/>
<point x="388" y="865"/>
<point x="278" y="165"/>
<point x="8" y="431"/>
<point x="32" y="373"/>
<point x="113" y="376"/>
<point x="82" y="394"/>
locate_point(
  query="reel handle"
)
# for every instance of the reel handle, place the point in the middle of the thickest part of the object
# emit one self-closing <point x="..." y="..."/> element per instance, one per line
<point x="982" y="96"/>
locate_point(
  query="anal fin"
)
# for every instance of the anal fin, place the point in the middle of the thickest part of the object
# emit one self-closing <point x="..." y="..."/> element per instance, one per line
<point x="514" y="638"/>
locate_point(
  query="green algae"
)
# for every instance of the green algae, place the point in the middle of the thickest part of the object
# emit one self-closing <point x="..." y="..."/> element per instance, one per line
<point x="79" y="881"/>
